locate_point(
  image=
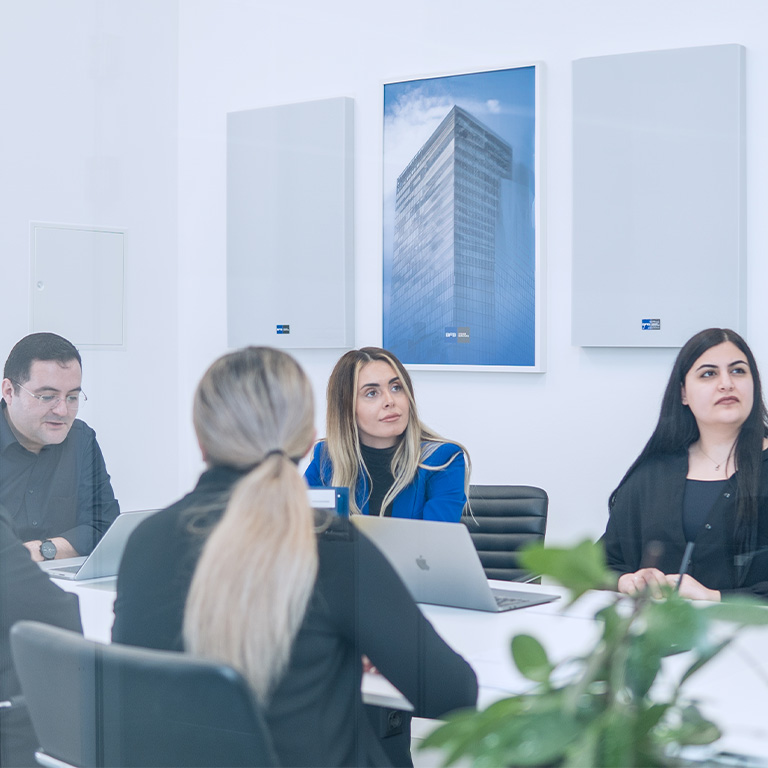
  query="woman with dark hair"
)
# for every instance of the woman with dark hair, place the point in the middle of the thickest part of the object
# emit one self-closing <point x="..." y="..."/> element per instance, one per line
<point x="377" y="446"/>
<point x="702" y="478"/>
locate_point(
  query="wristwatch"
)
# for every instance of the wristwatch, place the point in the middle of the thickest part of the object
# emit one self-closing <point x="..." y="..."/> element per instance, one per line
<point x="48" y="549"/>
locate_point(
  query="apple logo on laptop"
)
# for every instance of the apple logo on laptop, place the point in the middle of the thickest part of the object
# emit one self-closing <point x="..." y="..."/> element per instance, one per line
<point x="422" y="563"/>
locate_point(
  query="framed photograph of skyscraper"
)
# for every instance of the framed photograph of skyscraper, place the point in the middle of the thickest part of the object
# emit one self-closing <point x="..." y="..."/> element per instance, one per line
<point x="463" y="273"/>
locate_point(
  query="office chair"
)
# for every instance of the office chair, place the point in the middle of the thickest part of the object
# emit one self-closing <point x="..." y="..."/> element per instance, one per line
<point x="506" y="518"/>
<point x="103" y="706"/>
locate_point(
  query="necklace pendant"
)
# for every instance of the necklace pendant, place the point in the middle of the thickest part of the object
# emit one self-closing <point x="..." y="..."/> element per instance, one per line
<point x="717" y="467"/>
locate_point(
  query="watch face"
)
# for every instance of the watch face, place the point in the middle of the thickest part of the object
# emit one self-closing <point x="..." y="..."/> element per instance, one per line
<point x="48" y="550"/>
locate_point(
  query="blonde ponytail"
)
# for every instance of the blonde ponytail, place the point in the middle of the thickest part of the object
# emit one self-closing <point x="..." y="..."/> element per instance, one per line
<point x="257" y="570"/>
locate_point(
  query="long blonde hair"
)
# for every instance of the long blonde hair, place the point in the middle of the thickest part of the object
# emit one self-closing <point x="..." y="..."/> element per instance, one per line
<point x="343" y="439"/>
<point x="254" y="410"/>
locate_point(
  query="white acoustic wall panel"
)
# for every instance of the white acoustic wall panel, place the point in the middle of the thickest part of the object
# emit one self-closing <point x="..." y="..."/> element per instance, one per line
<point x="290" y="225"/>
<point x="658" y="196"/>
<point x="77" y="286"/>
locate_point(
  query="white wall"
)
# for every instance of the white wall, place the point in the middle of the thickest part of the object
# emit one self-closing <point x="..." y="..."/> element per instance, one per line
<point x="573" y="430"/>
<point x="88" y="137"/>
<point x="114" y="114"/>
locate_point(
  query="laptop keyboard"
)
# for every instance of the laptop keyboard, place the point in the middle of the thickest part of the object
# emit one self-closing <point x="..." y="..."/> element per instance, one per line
<point x="68" y="569"/>
<point x="509" y="602"/>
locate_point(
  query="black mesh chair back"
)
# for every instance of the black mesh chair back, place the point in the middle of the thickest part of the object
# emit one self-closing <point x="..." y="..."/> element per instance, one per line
<point x="95" y="705"/>
<point x="506" y="518"/>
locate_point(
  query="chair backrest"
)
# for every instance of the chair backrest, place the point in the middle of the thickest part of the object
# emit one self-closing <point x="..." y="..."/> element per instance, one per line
<point x="96" y="705"/>
<point x="506" y="518"/>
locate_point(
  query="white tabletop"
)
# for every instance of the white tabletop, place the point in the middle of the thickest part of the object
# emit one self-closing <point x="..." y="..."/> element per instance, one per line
<point x="732" y="689"/>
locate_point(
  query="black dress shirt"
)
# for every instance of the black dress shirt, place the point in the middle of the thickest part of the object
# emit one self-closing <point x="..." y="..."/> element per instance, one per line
<point x="62" y="491"/>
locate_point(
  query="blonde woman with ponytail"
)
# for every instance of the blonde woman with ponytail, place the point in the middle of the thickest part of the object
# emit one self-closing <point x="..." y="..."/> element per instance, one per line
<point x="242" y="571"/>
<point x="377" y="445"/>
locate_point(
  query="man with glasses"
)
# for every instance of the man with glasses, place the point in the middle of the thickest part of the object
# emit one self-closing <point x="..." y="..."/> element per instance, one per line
<point x="53" y="479"/>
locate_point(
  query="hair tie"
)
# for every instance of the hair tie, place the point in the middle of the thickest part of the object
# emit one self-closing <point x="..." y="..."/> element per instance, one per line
<point x="280" y="452"/>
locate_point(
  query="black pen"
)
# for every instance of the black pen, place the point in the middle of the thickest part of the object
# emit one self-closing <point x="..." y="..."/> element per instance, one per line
<point x="686" y="562"/>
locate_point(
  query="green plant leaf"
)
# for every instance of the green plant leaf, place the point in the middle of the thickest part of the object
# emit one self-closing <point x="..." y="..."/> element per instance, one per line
<point x="614" y="624"/>
<point x="530" y="740"/>
<point x="673" y="625"/>
<point x="643" y="664"/>
<point x="457" y="737"/>
<point x="531" y="658"/>
<point x="618" y="742"/>
<point x="703" y="657"/>
<point x="649" y="717"/>
<point x="584" y="751"/>
<point x="464" y="732"/>
<point x="601" y="713"/>
<point x="693" y="729"/>
<point x="740" y="610"/>
<point x="580" y="568"/>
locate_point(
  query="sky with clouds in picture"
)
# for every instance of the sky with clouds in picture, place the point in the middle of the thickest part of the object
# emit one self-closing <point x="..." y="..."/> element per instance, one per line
<point x="503" y="100"/>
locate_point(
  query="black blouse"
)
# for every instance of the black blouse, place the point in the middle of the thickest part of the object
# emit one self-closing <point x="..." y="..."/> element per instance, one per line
<point x="359" y="606"/>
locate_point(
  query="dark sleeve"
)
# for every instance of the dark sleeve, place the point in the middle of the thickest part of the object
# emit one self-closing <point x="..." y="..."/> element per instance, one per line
<point x="27" y="593"/>
<point x="151" y="589"/>
<point x="25" y="590"/>
<point x="377" y="613"/>
<point x="97" y="507"/>
<point x="756" y="580"/>
<point x="622" y="539"/>
<point x="445" y="497"/>
<point x="613" y="541"/>
<point x="759" y="590"/>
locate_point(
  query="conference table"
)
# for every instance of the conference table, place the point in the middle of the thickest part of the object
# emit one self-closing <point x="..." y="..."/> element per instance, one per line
<point x="732" y="689"/>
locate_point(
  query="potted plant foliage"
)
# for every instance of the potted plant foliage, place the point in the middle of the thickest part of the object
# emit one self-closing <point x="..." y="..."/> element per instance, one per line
<point x="599" y="709"/>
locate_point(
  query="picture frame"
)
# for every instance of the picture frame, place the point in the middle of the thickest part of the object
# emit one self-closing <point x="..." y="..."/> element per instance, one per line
<point x="463" y="271"/>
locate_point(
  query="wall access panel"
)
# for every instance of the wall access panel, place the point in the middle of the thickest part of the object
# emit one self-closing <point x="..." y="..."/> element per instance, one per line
<point x="658" y="196"/>
<point x="77" y="287"/>
<point x="290" y="225"/>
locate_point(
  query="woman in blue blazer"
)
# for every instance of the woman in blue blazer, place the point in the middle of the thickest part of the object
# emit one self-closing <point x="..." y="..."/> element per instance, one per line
<point x="377" y="445"/>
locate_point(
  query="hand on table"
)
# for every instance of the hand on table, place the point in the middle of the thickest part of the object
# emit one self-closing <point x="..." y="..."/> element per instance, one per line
<point x="645" y="578"/>
<point x="692" y="589"/>
<point x="654" y="579"/>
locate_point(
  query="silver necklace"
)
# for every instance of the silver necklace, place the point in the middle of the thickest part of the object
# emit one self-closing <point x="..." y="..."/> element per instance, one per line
<point x="717" y="464"/>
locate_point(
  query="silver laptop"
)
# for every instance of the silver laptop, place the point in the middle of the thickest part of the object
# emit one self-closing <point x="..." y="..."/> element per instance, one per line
<point x="105" y="558"/>
<point x="438" y="563"/>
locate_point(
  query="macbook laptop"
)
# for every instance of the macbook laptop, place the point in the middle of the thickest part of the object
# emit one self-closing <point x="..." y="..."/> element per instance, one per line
<point x="438" y="563"/>
<point x="105" y="558"/>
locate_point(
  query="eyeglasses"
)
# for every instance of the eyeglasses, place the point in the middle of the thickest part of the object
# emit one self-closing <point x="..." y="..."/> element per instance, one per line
<point x="51" y="401"/>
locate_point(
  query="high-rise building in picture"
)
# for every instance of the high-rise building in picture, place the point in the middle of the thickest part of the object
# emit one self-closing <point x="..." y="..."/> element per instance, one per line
<point x="462" y="282"/>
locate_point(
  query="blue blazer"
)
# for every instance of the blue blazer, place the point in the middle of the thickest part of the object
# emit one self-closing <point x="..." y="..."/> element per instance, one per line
<point x="432" y="495"/>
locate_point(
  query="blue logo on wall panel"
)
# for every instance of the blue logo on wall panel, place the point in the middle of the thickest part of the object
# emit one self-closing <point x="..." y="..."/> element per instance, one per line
<point x="283" y="329"/>
<point x="651" y="324"/>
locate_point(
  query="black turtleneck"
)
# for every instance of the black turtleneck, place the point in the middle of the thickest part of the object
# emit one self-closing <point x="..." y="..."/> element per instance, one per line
<point x="378" y="462"/>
